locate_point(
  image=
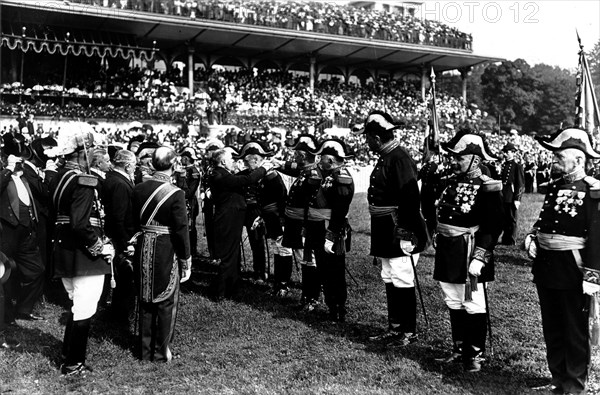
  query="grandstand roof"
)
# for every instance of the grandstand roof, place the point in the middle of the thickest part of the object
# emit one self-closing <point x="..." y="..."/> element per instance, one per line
<point x="230" y="40"/>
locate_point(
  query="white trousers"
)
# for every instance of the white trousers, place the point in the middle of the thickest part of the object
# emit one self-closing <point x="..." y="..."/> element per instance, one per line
<point x="399" y="271"/>
<point x="85" y="292"/>
<point x="454" y="296"/>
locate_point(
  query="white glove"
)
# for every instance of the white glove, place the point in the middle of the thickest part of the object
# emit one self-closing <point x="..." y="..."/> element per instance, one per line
<point x="108" y="251"/>
<point x="407" y="247"/>
<point x="517" y="204"/>
<point x="186" y="269"/>
<point x="328" y="246"/>
<point x="267" y="165"/>
<point x="130" y="250"/>
<point x="590" y="288"/>
<point x="51" y="165"/>
<point x="475" y="267"/>
<point x="12" y="161"/>
<point x="257" y="222"/>
<point x="530" y="246"/>
<point x="208" y="194"/>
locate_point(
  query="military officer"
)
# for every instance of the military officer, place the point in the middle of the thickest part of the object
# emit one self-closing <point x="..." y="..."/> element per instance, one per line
<point x="566" y="258"/>
<point x="398" y="229"/>
<point x="469" y="223"/>
<point x="81" y="252"/>
<point x="513" y="186"/>
<point x="188" y="179"/>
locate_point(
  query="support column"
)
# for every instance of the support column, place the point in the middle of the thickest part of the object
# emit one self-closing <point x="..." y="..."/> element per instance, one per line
<point x="311" y="73"/>
<point x="191" y="70"/>
<point x="464" y="75"/>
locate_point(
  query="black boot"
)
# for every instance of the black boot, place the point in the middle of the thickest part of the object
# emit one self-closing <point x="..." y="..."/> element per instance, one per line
<point x="67" y="337"/>
<point x="283" y="274"/>
<point x="311" y="288"/>
<point x="76" y="350"/>
<point x="394" y="320"/>
<point x="406" y="300"/>
<point x="457" y="324"/>
<point x="474" y="345"/>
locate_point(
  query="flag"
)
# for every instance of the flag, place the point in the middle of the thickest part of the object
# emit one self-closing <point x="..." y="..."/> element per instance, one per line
<point x="431" y="144"/>
<point x="587" y="114"/>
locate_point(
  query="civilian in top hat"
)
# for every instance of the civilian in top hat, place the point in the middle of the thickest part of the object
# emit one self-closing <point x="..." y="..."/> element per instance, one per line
<point x="19" y="241"/>
<point x="328" y="224"/>
<point x="303" y="166"/>
<point x="230" y="210"/>
<point x="14" y="142"/>
<point x="513" y="186"/>
<point x="117" y="192"/>
<point x="265" y="204"/>
<point x="160" y="213"/>
<point x="566" y="258"/>
<point x="469" y="223"/>
<point x="81" y="254"/>
<point x="398" y="229"/>
<point x="187" y="177"/>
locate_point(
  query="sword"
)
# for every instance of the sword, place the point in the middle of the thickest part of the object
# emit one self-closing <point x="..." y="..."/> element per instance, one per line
<point x="412" y="261"/>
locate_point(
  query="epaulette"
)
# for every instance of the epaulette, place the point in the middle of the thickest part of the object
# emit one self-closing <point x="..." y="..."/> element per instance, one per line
<point x="87" y="180"/>
<point x="594" y="185"/>
<point x="489" y="184"/>
<point x="343" y="177"/>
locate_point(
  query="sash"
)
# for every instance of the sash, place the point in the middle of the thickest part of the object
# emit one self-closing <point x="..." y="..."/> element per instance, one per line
<point x="62" y="185"/>
<point x="554" y="242"/>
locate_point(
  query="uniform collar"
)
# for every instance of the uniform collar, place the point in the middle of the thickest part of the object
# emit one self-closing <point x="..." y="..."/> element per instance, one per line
<point x="388" y="147"/>
<point x="574" y="176"/>
<point x="160" y="176"/>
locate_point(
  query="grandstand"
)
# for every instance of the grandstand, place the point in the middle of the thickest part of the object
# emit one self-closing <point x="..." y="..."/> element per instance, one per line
<point x="117" y="59"/>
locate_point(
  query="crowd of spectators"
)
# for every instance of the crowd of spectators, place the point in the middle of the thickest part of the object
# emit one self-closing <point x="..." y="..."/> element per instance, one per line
<point x="311" y="16"/>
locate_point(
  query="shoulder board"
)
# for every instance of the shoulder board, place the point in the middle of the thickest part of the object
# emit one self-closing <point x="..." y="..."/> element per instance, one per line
<point x="594" y="185"/>
<point x="489" y="184"/>
<point x="343" y="177"/>
<point x="87" y="180"/>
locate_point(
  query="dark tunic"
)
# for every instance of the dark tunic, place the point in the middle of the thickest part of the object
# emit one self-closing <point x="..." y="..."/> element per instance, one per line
<point x="466" y="203"/>
<point x="394" y="183"/>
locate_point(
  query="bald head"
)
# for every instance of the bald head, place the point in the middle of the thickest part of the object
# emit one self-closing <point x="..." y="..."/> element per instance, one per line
<point x="163" y="158"/>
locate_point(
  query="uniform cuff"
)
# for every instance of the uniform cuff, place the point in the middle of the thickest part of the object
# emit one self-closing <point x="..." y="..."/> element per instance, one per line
<point x="481" y="254"/>
<point x="591" y="276"/>
<point x="96" y="248"/>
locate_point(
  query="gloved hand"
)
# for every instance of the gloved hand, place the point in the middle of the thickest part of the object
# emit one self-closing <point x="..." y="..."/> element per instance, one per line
<point x="328" y="246"/>
<point x="475" y="267"/>
<point x="257" y="222"/>
<point x="130" y="250"/>
<point x="407" y="247"/>
<point x="590" y="288"/>
<point x="108" y="251"/>
<point x="267" y="165"/>
<point x="12" y="162"/>
<point x="530" y="245"/>
<point x="51" y="165"/>
<point x="186" y="269"/>
<point x="517" y="204"/>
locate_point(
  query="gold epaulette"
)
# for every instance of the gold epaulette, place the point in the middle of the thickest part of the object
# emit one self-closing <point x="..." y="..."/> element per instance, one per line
<point x="489" y="184"/>
<point x="343" y="177"/>
<point x="594" y="186"/>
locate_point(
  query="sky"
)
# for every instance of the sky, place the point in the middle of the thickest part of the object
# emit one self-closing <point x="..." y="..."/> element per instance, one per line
<point x="537" y="31"/>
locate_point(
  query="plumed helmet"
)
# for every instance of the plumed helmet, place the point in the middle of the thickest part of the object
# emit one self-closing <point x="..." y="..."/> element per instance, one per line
<point x="71" y="138"/>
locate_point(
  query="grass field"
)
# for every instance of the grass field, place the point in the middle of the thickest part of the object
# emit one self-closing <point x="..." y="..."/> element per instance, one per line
<point x="262" y="345"/>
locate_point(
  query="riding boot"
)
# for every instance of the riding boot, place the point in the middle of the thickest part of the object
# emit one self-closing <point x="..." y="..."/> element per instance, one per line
<point x="76" y="352"/>
<point x="458" y="319"/>
<point x="407" y="305"/>
<point x="67" y="337"/>
<point x="474" y="344"/>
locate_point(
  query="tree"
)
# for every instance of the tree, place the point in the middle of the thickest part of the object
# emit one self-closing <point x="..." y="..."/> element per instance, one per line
<point x="511" y="92"/>
<point x="593" y="58"/>
<point x="556" y="103"/>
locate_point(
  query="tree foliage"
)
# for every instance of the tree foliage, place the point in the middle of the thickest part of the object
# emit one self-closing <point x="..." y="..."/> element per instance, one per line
<point x="593" y="58"/>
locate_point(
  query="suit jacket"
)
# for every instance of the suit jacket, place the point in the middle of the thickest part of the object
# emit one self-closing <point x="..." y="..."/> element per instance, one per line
<point x="39" y="188"/>
<point x="9" y="198"/>
<point x="513" y="181"/>
<point x="117" y="193"/>
<point x="228" y="189"/>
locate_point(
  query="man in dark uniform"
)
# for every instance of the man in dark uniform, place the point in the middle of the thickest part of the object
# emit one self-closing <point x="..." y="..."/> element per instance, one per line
<point x="430" y="176"/>
<point x="530" y="170"/>
<point x="265" y="202"/>
<point x="117" y="192"/>
<point x="208" y="206"/>
<point x="398" y="229"/>
<point x="303" y="166"/>
<point x="144" y="154"/>
<point x="19" y="241"/>
<point x="230" y="207"/>
<point x="160" y="213"/>
<point x="333" y="202"/>
<point x="513" y="186"/>
<point x="469" y="223"/>
<point x="566" y="259"/>
<point x="188" y="179"/>
<point x="81" y="252"/>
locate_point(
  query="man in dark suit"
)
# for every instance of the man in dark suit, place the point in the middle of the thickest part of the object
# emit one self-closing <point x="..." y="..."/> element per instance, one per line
<point x="18" y="216"/>
<point x="513" y="186"/>
<point x="117" y="192"/>
<point x="160" y="213"/>
<point x="230" y="208"/>
<point x="188" y="179"/>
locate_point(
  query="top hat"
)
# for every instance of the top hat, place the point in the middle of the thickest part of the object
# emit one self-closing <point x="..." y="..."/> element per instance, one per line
<point x="145" y="150"/>
<point x="467" y="142"/>
<point x="569" y="138"/>
<point x="7" y="265"/>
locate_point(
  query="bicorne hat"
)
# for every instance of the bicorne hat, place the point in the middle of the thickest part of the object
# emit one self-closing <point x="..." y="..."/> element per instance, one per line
<point x="569" y="138"/>
<point x="334" y="147"/>
<point x="254" y="148"/>
<point x="189" y="152"/>
<point x="467" y="142"/>
<point x="304" y="142"/>
<point x="376" y="121"/>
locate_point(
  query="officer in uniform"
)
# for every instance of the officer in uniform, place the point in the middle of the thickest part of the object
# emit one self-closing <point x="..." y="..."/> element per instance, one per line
<point x="333" y="200"/>
<point x="398" y="229"/>
<point x="469" y="223"/>
<point x="303" y="166"/>
<point x="208" y="207"/>
<point x="430" y="177"/>
<point x="81" y="252"/>
<point x="513" y="186"/>
<point x="160" y="213"/>
<point x="188" y="179"/>
<point x="265" y="201"/>
<point x="144" y="170"/>
<point x="566" y="258"/>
